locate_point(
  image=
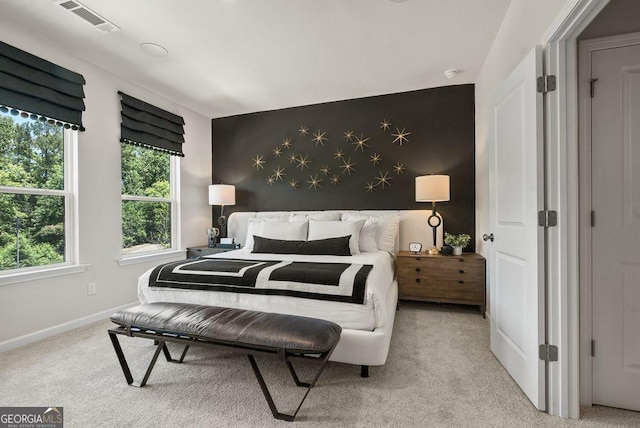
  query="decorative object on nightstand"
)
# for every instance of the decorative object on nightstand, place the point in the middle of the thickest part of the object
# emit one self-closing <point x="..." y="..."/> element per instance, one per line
<point x="415" y="247"/>
<point x="442" y="279"/>
<point x="457" y="242"/>
<point x="433" y="188"/>
<point x="222" y="194"/>
<point x="212" y="234"/>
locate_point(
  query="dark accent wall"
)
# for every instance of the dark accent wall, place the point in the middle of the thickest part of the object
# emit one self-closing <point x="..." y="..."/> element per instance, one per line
<point x="442" y="140"/>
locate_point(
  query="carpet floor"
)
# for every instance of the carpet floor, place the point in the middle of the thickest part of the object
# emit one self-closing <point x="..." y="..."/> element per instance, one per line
<point x="439" y="373"/>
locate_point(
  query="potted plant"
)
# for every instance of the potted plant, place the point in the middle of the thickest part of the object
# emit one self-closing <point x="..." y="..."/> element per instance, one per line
<point x="457" y="242"/>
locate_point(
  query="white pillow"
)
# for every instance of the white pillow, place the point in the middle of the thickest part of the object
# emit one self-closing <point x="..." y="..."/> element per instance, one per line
<point x="386" y="230"/>
<point x="254" y="227"/>
<point x="368" y="233"/>
<point x="284" y="230"/>
<point x="322" y="216"/>
<point x="335" y="229"/>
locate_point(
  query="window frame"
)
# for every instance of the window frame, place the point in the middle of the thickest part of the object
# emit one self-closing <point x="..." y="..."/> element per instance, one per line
<point x="174" y="200"/>
<point x="71" y="263"/>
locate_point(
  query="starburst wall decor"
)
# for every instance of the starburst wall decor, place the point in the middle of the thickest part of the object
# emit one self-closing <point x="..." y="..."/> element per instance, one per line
<point x="354" y="156"/>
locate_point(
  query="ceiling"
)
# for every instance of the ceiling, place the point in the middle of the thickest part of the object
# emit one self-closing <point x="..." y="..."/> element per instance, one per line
<point x="229" y="57"/>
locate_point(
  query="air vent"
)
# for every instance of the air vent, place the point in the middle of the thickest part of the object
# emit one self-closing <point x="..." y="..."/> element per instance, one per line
<point x="69" y="5"/>
<point x="87" y="15"/>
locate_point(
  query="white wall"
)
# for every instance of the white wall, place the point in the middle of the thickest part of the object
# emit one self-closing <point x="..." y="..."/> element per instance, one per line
<point x="522" y="28"/>
<point x="28" y="308"/>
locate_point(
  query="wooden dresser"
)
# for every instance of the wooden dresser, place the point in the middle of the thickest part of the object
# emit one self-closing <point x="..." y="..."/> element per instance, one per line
<point x="443" y="279"/>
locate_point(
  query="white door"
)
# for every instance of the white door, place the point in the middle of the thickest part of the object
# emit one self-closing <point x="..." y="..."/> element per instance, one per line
<point x="516" y="196"/>
<point x="616" y="233"/>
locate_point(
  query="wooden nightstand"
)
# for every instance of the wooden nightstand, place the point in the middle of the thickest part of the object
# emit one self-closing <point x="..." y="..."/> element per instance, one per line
<point x="443" y="279"/>
<point x="204" y="251"/>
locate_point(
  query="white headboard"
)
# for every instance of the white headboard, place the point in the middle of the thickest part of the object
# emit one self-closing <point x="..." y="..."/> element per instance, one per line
<point x="413" y="225"/>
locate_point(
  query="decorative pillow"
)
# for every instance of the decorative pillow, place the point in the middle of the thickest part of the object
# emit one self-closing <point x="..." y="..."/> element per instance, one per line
<point x="334" y="229"/>
<point x="321" y="216"/>
<point x="328" y="247"/>
<point x="367" y="234"/>
<point x="284" y="230"/>
<point x="254" y="227"/>
<point x="386" y="230"/>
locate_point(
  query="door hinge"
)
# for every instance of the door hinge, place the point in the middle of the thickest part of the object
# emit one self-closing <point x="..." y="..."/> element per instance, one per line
<point x="593" y="348"/>
<point x="547" y="218"/>
<point x="593" y="219"/>
<point x="546" y="83"/>
<point x="548" y="352"/>
<point x="592" y="85"/>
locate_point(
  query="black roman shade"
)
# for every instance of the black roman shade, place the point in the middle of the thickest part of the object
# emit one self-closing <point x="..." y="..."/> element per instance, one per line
<point x="149" y="126"/>
<point x="32" y="86"/>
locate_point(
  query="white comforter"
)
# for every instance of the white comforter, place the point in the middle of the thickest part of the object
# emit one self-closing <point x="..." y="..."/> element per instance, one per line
<point x="368" y="316"/>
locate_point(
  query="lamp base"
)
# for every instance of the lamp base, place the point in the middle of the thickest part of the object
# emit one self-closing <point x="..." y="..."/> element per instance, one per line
<point x="433" y="251"/>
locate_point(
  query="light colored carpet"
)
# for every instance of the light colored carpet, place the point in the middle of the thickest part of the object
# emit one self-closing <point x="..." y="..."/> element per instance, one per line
<point x="440" y="372"/>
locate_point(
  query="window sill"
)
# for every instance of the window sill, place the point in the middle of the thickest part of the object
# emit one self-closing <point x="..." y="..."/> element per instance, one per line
<point x="33" y="275"/>
<point x="132" y="260"/>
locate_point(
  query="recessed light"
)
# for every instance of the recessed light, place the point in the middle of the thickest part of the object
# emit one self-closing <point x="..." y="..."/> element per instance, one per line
<point x="154" y="50"/>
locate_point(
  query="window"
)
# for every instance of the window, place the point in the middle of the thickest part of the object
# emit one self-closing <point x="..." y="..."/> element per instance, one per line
<point x="149" y="200"/>
<point x="36" y="183"/>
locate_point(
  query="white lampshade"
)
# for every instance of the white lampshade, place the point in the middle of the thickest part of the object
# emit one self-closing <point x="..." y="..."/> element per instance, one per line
<point x="432" y="188"/>
<point x="222" y="194"/>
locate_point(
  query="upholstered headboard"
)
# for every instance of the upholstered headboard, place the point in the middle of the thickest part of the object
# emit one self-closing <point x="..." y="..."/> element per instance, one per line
<point x="413" y="225"/>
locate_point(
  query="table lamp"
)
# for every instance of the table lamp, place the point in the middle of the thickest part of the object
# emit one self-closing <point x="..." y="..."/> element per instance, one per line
<point x="433" y="188"/>
<point x="222" y="194"/>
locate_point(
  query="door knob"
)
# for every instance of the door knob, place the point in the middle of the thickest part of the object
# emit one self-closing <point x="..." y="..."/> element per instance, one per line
<point x="486" y="237"/>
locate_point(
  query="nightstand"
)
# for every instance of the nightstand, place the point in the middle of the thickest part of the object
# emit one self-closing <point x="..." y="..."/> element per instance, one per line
<point x="204" y="251"/>
<point x="442" y="279"/>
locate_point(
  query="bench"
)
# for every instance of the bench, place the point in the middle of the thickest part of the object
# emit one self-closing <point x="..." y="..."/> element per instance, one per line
<point x="287" y="337"/>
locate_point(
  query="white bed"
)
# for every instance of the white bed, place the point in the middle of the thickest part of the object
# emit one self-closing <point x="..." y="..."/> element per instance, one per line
<point x="366" y="327"/>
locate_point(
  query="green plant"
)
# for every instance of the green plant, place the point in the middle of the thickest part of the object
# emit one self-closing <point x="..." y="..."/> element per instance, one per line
<point x="461" y="240"/>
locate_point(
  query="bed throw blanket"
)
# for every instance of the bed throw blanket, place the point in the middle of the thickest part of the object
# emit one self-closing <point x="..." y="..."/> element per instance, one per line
<point x="340" y="282"/>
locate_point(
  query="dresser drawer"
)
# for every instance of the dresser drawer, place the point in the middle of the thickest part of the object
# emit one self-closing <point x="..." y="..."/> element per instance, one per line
<point x="453" y="270"/>
<point x="445" y="290"/>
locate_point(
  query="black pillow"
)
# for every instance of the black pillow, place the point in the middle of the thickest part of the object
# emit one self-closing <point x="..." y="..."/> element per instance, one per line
<point x="326" y="247"/>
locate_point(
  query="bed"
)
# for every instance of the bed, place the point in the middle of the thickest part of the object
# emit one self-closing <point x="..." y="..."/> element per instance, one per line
<point x="366" y="312"/>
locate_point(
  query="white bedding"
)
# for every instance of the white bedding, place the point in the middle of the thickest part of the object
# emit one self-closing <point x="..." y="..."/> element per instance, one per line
<point x="365" y="316"/>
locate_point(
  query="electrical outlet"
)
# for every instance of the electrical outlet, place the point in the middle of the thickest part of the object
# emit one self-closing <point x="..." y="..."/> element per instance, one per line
<point x="92" y="288"/>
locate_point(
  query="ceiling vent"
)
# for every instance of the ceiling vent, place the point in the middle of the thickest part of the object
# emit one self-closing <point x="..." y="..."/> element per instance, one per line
<point x="81" y="11"/>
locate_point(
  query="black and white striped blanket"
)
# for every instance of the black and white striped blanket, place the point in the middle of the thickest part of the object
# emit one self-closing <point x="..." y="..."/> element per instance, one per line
<point x="340" y="282"/>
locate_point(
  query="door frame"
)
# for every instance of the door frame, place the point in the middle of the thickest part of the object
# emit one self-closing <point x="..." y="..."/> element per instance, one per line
<point x="562" y="186"/>
<point x="586" y="48"/>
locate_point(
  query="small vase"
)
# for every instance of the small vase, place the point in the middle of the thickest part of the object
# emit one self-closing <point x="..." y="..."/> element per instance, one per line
<point x="457" y="251"/>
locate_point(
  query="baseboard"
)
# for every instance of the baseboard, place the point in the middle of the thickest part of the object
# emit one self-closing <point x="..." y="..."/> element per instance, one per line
<point x="60" y="328"/>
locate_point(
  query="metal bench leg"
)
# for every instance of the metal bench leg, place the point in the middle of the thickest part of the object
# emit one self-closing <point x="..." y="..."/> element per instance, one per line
<point x="295" y="376"/>
<point x="125" y="367"/>
<point x="121" y="359"/>
<point x="167" y="355"/>
<point x="267" y="394"/>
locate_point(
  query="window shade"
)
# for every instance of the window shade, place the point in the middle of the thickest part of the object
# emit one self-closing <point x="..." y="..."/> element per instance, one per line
<point x="41" y="89"/>
<point x="146" y="125"/>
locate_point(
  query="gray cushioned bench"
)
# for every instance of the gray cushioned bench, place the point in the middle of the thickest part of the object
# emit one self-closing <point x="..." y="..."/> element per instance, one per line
<point x="249" y="332"/>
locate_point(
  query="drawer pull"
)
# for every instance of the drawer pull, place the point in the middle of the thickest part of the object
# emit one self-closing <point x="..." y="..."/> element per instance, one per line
<point x="461" y="271"/>
<point x="460" y="282"/>
<point x="417" y="279"/>
<point x="461" y="260"/>
<point x="417" y="269"/>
